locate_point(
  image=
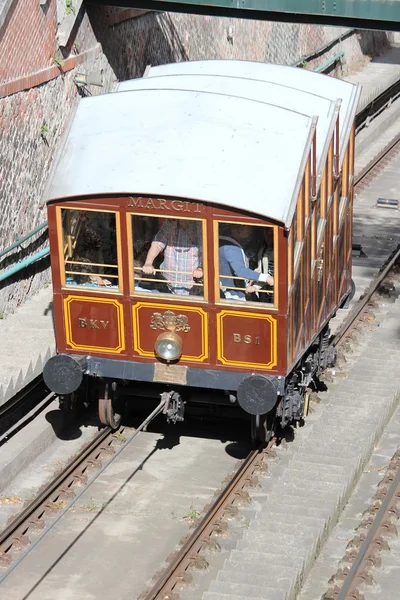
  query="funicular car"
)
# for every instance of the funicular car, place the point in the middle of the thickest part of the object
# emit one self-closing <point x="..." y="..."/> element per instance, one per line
<point x="200" y="224"/>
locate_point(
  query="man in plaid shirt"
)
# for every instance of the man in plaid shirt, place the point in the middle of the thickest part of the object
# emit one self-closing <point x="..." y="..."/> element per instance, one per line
<point x="181" y="241"/>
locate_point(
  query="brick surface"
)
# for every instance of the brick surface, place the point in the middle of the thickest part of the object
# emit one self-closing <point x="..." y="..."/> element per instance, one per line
<point x="28" y="27"/>
<point x="26" y="158"/>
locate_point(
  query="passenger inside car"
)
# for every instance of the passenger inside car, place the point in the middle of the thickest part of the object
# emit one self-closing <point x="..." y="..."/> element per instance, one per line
<point x="237" y="279"/>
<point x="180" y="243"/>
<point x="90" y="248"/>
<point x="85" y="274"/>
<point x="265" y="264"/>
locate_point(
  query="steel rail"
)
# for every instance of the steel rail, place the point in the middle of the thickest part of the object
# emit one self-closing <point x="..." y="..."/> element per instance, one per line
<point x="22" y="408"/>
<point x="377" y="105"/>
<point x="23" y="239"/>
<point x="179" y="565"/>
<point x="52" y="486"/>
<point x="20" y="397"/>
<point x="22" y="520"/>
<point x="373" y="163"/>
<point x="354" y="571"/>
<point x="362" y="303"/>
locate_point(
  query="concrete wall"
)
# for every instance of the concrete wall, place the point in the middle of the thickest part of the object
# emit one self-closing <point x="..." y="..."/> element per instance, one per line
<point x="37" y="93"/>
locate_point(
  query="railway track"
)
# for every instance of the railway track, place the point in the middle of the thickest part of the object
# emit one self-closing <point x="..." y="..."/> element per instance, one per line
<point x="210" y="527"/>
<point x="45" y="510"/>
<point x="364" y="550"/>
<point x="53" y="501"/>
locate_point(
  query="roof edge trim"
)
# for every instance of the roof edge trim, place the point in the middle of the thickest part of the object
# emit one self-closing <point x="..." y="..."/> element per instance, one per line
<point x="356" y="93"/>
<point x="300" y="176"/>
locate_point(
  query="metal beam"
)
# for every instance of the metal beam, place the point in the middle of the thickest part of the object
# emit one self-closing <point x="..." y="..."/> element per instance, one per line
<point x="363" y="14"/>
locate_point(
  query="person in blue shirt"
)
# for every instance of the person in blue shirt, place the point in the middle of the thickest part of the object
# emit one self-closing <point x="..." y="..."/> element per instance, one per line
<point x="233" y="264"/>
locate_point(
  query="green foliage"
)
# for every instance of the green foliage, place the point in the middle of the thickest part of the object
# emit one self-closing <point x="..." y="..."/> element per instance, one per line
<point x="192" y="515"/>
<point x="69" y="7"/>
<point x="58" y="61"/>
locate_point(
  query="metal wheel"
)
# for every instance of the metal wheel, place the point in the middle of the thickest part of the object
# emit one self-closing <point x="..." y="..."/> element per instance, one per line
<point x="262" y="428"/>
<point x="107" y="415"/>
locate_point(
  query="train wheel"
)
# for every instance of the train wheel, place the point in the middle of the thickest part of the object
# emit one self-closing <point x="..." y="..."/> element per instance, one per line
<point x="107" y="415"/>
<point x="262" y="428"/>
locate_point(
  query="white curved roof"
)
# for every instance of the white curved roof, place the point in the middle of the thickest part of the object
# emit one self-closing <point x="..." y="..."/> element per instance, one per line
<point x="290" y="77"/>
<point x="268" y="92"/>
<point x="203" y="146"/>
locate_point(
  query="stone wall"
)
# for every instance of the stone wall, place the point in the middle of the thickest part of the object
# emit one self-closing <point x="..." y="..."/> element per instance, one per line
<point x="38" y="95"/>
<point x="37" y="98"/>
<point x="157" y="38"/>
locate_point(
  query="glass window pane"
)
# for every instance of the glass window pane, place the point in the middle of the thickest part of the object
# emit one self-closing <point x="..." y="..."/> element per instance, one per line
<point x="90" y="249"/>
<point x="168" y="255"/>
<point x="246" y="262"/>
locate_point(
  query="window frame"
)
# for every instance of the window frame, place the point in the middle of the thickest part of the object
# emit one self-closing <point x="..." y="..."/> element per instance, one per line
<point x="236" y="303"/>
<point x="60" y="236"/>
<point x="160" y="295"/>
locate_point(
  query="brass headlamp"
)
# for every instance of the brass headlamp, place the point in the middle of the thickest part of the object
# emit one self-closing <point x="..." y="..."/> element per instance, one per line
<point x="169" y="346"/>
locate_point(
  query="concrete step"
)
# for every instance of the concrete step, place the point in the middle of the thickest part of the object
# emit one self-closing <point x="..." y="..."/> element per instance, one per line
<point x="218" y="596"/>
<point x="286" y="522"/>
<point x="247" y="590"/>
<point x="261" y="559"/>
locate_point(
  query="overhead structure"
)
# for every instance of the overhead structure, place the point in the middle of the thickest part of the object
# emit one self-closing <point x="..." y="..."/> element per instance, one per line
<point x="363" y="14"/>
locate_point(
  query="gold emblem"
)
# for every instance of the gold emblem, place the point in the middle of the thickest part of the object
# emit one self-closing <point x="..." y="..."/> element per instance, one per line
<point x="169" y="321"/>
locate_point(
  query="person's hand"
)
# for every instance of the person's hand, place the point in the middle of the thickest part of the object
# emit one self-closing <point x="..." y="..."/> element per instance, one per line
<point x="99" y="280"/>
<point x="270" y="280"/>
<point x="252" y="288"/>
<point x="149" y="269"/>
<point x="198" y="273"/>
